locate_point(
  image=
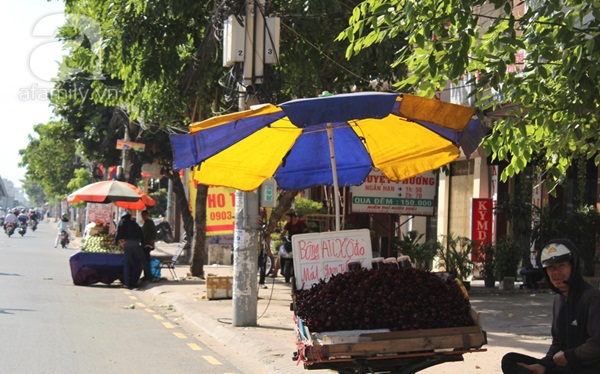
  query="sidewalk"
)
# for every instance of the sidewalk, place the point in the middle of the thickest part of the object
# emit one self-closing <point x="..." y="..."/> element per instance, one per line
<point x="516" y="320"/>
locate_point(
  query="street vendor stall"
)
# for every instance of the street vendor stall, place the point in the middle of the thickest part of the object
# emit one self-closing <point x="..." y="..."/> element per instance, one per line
<point x="390" y="318"/>
<point x="100" y="259"/>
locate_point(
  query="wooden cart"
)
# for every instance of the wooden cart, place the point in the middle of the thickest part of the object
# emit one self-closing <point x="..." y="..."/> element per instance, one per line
<point x="399" y="352"/>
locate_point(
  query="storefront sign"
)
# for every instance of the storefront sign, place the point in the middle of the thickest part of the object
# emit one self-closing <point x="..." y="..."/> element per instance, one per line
<point x="378" y="194"/>
<point x="268" y="193"/>
<point x="481" y="223"/>
<point x="123" y="144"/>
<point x="220" y="211"/>
<point x="321" y="255"/>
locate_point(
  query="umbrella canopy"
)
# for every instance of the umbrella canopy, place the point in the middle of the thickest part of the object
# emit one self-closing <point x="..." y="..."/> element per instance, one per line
<point x="122" y="194"/>
<point x="333" y="140"/>
<point x="401" y="135"/>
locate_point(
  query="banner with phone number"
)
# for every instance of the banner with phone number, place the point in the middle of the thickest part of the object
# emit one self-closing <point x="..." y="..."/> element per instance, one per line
<point x="220" y="211"/>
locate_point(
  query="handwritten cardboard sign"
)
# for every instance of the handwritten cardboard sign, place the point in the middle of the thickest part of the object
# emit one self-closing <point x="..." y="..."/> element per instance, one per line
<point x="321" y="255"/>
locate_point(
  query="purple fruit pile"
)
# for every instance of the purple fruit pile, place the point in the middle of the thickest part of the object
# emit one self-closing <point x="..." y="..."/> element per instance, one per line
<point x="405" y="299"/>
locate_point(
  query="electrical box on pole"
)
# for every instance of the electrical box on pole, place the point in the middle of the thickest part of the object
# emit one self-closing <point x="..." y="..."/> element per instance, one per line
<point x="272" y="26"/>
<point x="233" y="41"/>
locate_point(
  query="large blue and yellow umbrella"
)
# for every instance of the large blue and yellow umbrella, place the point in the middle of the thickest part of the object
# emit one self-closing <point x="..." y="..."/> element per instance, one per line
<point x="333" y="140"/>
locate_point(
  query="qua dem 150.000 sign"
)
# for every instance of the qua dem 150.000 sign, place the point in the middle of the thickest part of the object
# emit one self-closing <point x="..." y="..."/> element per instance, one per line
<point x="378" y="194"/>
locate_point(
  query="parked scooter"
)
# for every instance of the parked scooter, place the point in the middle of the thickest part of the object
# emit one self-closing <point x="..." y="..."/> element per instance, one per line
<point x="286" y="260"/>
<point x="163" y="232"/>
<point x="9" y="229"/>
<point x="22" y="228"/>
<point x="64" y="239"/>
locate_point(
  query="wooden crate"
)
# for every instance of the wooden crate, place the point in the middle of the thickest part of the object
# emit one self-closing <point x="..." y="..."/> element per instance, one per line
<point x="219" y="287"/>
<point x="396" y="344"/>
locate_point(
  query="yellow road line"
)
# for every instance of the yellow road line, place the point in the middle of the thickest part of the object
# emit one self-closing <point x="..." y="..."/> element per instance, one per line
<point x="127" y="292"/>
<point x="150" y="310"/>
<point x="133" y="297"/>
<point x="141" y="305"/>
<point x="168" y="325"/>
<point x="158" y="316"/>
<point x="180" y="335"/>
<point x="212" y="360"/>
<point x="194" y="346"/>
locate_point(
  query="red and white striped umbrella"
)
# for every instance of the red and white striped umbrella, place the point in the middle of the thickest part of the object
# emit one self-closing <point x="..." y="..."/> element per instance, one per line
<point x="123" y="194"/>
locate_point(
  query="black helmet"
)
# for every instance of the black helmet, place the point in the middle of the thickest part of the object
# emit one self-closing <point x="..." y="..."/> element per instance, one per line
<point x="291" y="212"/>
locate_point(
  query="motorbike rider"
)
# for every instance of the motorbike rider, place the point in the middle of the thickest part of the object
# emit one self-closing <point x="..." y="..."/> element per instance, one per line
<point x="33" y="216"/>
<point x="63" y="225"/>
<point x="11" y="217"/>
<point x="22" y="217"/>
<point x="293" y="226"/>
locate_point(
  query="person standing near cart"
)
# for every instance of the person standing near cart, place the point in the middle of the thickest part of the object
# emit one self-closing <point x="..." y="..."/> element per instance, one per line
<point x="129" y="236"/>
<point x="148" y="240"/>
<point x="575" y="347"/>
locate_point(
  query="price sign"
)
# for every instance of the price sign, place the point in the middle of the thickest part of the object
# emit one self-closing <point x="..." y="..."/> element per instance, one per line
<point x="321" y="255"/>
<point x="220" y="211"/>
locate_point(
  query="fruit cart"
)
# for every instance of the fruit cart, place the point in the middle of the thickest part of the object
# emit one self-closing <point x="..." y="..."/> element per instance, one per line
<point x="353" y="317"/>
<point x="99" y="261"/>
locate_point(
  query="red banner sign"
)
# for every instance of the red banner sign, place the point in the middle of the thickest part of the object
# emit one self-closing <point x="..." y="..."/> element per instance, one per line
<point x="481" y="223"/>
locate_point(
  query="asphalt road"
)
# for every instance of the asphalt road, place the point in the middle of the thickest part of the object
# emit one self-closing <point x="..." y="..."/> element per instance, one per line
<point x="48" y="325"/>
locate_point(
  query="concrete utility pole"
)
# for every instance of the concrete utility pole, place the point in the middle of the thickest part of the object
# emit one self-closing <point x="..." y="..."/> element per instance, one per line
<point x="246" y="235"/>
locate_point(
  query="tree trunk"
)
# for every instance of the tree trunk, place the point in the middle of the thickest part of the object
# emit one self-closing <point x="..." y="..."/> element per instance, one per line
<point x="597" y="257"/>
<point x="182" y="203"/>
<point x="199" y="247"/>
<point x="284" y="202"/>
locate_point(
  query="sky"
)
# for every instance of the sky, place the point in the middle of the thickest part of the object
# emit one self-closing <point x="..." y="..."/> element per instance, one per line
<point x="29" y="61"/>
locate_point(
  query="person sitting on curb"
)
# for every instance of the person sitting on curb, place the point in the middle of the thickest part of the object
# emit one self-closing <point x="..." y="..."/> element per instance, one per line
<point x="575" y="329"/>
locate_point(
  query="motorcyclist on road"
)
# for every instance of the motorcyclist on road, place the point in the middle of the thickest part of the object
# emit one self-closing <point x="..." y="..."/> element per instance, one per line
<point x="23" y="217"/>
<point x="33" y="216"/>
<point x="63" y="225"/>
<point x="11" y="217"/>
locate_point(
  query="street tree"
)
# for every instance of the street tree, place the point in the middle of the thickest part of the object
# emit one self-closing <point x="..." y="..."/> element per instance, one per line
<point x="160" y="57"/>
<point x="50" y="157"/>
<point x="537" y="61"/>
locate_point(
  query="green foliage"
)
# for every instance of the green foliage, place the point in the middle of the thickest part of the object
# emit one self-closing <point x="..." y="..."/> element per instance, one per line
<point x="539" y="68"/>
<point x="82" y="178"/>
<point x="421" y="254"/>
<point x="581" y="226"/>
<point x="35" y="192"/>
<point x="160" y="209"/>
<point x="304" y="206"/>
<point x="50" y="157"/>
<point x="486" y="258"/>
<point x="507" y="257"/>
<point x="454" y="256"/>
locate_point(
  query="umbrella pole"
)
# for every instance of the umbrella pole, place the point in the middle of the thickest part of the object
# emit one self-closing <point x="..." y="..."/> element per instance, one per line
<point x="336" y="190"/>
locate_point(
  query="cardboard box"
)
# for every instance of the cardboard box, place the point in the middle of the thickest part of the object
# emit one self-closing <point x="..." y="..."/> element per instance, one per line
<point x="219" y="287"/>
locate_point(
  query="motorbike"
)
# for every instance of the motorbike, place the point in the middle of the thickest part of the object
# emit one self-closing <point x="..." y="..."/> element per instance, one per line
<point x="163" y="232"/>
<point x="22" y="228"/>
<point x="64" y="239"/>
<point x="9" y="229"/>
<point x="286" y="260"/>
<point x="34" y="224"/>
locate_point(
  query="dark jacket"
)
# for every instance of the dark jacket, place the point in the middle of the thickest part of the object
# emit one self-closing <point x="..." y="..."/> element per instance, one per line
<point x="128" y="229"/>
<point x="148" y="233"/>
<point x="575" y="321"/>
